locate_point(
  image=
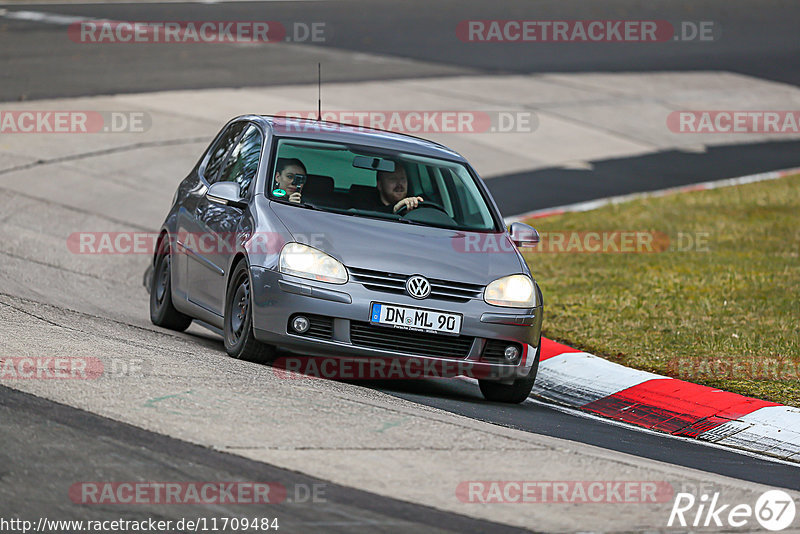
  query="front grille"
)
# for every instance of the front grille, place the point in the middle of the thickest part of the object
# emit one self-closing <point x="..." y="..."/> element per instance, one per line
<point x="321" y="327"/>
<point x="396" y="283"/>
<point x="494" y="351"/>
<point x="416" y="343"/>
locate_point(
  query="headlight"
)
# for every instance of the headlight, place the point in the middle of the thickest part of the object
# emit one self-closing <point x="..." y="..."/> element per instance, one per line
<point x="515" y="291"/>
<point x="306" y="262"/>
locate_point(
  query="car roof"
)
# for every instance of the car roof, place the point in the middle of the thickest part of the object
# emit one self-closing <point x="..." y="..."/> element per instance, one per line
<point x="352" y="134"/>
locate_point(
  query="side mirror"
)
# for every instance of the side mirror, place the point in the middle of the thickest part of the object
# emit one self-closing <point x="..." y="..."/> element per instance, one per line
<point x="226" y="193"/>
<point x="523" y="235"/>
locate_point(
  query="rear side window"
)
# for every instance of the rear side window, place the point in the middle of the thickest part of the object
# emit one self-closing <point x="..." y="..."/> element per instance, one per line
<point x="220" y="150"/>
<point x="242" y="165"/>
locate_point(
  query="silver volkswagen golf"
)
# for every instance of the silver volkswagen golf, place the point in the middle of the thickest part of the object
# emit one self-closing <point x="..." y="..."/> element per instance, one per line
<point x="331" y="240"/>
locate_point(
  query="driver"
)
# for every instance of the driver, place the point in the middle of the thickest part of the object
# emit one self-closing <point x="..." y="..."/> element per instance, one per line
<point x="392" y="191"/>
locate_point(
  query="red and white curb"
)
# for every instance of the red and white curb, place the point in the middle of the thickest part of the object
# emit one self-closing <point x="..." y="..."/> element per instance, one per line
<point x="584" y="381"/>
<point x="581" y="380"/>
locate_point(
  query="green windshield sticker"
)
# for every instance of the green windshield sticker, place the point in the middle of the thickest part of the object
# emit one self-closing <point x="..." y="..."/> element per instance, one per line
<point x="279" y="193"/>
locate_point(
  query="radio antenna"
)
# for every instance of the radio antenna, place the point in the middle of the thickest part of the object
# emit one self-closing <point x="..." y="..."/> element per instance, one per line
<point x="319" y="91"/>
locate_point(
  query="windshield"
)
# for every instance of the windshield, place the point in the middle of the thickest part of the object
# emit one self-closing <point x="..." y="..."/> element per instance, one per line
<point x="378" y="183"/>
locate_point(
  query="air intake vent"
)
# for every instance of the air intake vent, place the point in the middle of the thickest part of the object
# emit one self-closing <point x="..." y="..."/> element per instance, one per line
<point x="414" y="343"/>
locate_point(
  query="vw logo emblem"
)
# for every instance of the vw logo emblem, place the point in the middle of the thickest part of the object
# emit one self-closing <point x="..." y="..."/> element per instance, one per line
<point x="418" y="287"/>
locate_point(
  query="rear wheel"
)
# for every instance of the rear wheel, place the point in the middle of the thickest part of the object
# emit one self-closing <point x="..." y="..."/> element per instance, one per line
<point x="240" y="342"/>
<point x="162" y="311"/>
<point x="515" y="392"/>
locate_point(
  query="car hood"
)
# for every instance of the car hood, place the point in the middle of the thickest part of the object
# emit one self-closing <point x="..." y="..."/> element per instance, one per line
<point x="362" y="242"/>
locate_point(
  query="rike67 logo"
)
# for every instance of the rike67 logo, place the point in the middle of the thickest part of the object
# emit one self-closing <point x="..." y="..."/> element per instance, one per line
<point x="774" y="510"/>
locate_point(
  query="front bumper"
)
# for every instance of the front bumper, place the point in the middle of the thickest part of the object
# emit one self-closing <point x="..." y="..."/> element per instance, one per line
<point x="278" y="297"/>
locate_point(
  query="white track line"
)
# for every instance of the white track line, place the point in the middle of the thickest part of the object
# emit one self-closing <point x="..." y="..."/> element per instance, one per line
<point x="43" y="17"/>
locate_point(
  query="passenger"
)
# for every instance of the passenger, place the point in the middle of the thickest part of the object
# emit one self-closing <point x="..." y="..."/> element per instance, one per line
<point x="290" y="175"/>
<point x="392" y="191"/>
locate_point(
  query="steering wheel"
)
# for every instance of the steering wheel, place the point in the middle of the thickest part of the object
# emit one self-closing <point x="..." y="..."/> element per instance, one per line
<point x="423" y="204"/>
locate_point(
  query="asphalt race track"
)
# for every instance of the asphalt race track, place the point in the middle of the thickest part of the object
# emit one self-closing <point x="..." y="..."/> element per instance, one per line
<point x="760" y="41"/>
<point x="388" y="454"/>
<point x="71" y="441"/>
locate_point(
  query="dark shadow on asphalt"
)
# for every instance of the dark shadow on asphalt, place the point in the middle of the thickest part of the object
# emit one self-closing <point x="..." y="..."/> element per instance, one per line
<point x="78" y="445"/>
<point x="547" y="188"/>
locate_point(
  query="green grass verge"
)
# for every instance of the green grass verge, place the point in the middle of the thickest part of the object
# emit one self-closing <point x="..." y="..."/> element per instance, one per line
<point x="725" y="314"/>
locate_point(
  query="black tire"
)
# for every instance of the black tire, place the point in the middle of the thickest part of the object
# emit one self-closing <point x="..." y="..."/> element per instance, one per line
<point x="240" y="342"/>
<point x="162" y="310"/>
<point x="515" y="392"/>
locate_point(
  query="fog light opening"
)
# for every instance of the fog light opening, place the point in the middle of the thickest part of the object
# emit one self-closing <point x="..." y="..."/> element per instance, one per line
<point x="300" y="324"/>
<point x="511" y="353"/>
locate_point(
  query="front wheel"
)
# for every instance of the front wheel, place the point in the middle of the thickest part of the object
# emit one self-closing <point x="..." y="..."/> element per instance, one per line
<point x="515" y="392"/>
<point x="240" y="342"/>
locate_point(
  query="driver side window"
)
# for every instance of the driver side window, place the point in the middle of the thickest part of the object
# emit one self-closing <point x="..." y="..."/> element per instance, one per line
<point x="242" y="165"/>
<point x="220" y="150"/>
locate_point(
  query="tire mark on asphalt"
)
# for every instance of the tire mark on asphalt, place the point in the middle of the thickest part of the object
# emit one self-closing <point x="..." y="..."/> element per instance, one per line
<point x="104" y="152"/>
<point x="87" y="155"/>
<point x="29" y="314"/>
<point x="60" y="268"/>
<point x="76" y="209"/>
<point x="89" y="316"/>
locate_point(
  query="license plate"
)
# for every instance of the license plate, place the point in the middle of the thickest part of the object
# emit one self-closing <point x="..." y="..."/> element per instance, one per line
<point x="415" y="319"/>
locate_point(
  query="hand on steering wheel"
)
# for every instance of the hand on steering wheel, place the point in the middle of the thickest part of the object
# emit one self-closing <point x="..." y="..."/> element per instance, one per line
<point x="403" y="206"/>
<point x="408" y="203"/>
